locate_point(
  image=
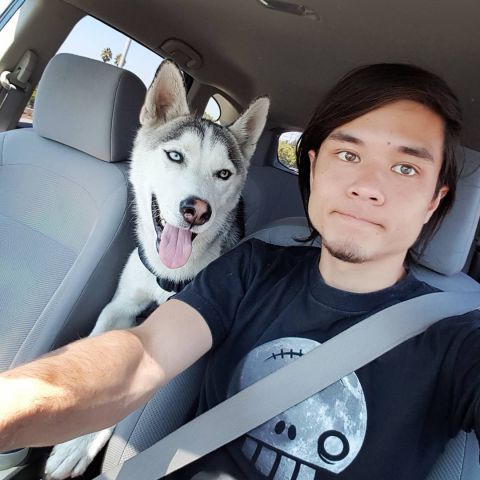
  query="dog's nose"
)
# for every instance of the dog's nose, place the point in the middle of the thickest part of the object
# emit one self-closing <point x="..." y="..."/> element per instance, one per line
<point x="195" y="211"/>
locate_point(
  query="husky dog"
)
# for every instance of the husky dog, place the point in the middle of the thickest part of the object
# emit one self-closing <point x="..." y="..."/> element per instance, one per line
<point x="187" y="175"/>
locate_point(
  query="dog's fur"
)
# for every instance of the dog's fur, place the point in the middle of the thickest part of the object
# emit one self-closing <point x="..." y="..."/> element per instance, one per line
<point x="188" y="193"/>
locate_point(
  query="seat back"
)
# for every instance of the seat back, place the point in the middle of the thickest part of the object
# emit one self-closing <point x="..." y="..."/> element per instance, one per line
<point x="269" y="194"/>
<point x="65" y="228"/>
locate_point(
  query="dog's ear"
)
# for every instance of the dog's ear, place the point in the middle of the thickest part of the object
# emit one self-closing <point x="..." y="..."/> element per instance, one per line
<point x="167" y="97"/>
<point x="249" y="126"/>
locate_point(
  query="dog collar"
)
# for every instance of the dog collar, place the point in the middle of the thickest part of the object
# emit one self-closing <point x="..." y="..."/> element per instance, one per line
<point x="164" y="283"/>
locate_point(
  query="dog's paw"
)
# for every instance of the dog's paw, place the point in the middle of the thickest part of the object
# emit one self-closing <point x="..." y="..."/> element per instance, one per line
<point x="71" y="459"/>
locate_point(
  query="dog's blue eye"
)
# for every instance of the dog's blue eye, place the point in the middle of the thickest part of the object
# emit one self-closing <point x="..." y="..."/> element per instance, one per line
<point x="224" y="174"/>
<point x="174" y="156"/>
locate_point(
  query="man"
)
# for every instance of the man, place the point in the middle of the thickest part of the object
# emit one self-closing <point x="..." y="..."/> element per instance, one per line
<point x="377" y="171"/>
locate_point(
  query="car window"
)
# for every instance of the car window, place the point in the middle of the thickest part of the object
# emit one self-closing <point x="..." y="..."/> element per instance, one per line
<point x="94" y="39"/>
<point x="9" y="14"/>
<point x="286" y="152"/>
<point x="3" y="5"/>
<point x="8" y="8"/>
<point x="212" y="110"/>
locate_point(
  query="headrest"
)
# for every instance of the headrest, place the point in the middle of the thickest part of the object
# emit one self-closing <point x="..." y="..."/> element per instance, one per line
<point x="89" y="105"/>
<point x="448" y="250"/>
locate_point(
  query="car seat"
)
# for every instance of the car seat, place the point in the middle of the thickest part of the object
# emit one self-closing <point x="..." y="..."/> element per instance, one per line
<point x="65" y="227"/>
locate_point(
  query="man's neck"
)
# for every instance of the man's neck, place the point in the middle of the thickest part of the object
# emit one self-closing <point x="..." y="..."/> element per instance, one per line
<point x="365" y="277"/>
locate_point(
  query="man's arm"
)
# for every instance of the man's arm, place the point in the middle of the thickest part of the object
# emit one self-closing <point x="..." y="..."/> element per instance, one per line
<point x="93" y="383"/>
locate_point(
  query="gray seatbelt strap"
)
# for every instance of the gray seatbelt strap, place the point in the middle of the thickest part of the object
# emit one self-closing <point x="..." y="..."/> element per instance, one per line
<point x="297" y="381"/>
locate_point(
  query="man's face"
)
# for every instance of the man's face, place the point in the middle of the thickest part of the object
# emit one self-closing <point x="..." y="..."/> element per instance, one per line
<point x="373" y="182"/>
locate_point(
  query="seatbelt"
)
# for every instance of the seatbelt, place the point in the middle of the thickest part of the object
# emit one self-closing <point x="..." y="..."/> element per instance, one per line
<point x="297" y="381"/>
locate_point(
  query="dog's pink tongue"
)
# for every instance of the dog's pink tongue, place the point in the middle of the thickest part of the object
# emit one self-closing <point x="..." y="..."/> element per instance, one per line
<point x="175" y="246"/>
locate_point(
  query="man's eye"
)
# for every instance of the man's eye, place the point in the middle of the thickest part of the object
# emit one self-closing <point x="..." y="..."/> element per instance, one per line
<point x="224" y="174"/>
<point x="348" y="157"/>
<point x="406" y="170"/>
<point x="174" y="156"/>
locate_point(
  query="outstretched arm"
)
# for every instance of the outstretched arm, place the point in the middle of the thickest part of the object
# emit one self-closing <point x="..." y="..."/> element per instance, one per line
<point x="93" y="383"/>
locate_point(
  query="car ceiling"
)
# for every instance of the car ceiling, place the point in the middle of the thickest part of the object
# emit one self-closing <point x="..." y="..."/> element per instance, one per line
<point x="249" y="50"/>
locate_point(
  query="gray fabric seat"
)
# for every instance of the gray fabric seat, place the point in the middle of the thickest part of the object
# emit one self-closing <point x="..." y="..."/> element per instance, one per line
<point x="441" y="266"/>
<point x="65" y="227"/>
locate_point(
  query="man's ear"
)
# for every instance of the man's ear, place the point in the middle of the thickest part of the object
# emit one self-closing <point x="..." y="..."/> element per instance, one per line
<point x="166" y="98"/>
<point x="312" y="155"/>
<point x="435" y="202"/>
<point x="249" y="126"/>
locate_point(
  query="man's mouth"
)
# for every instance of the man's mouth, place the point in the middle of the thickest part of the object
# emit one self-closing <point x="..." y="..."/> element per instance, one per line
<point x="173" y="244"/>
<point x="351" y="217"/>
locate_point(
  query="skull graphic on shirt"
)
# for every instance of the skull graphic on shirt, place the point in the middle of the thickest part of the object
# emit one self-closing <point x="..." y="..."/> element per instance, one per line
<point x="325" y="431"/>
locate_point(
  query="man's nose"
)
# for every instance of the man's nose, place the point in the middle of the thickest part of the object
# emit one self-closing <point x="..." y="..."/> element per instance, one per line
<point x="369" y="188"/>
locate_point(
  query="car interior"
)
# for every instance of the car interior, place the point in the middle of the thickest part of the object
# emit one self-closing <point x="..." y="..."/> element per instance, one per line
<point x="66" y="217"/>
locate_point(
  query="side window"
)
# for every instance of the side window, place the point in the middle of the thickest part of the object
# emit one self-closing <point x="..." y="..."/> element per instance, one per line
<point x="212" y="110"/>
<point x="93" y="39"/>
<point x="10" y="12"/>
<point x="286" y="152"/>
<point x="9" y="15"/>
<point x="3" y="5"/>
<point x="221" y="110"/>
<point x="8" y="8"/>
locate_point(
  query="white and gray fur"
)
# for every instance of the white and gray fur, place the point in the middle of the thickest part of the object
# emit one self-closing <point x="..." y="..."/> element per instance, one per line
<point x="207" y="148"/>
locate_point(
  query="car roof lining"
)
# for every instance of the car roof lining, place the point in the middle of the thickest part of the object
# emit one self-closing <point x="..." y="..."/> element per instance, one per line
<point x="261" y="51"/>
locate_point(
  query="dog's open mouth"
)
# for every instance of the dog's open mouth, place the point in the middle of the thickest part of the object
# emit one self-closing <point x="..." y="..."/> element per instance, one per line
<point x="174" y="245"/>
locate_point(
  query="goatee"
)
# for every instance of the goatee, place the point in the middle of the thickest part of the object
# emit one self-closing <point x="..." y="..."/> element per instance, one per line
<point x="344" y="252"/>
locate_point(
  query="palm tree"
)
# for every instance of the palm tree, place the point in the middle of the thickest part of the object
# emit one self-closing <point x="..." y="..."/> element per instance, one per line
<point x="106" y="54"/>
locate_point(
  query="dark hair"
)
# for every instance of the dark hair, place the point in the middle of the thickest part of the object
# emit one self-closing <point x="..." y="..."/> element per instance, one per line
<point x="368" y="88"/>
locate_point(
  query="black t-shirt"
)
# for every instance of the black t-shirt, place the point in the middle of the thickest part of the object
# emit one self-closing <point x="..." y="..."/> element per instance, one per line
<point x="267" y="306"/>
